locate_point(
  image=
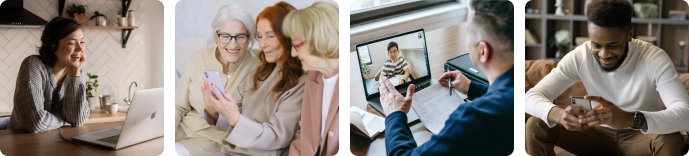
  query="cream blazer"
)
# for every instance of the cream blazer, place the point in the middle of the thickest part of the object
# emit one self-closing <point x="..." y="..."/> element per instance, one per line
<point x="191" y="130"/>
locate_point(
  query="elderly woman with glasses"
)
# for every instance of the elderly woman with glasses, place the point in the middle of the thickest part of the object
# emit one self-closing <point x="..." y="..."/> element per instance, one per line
<point x="314" y="33"/>
<point x="229" y="54"/>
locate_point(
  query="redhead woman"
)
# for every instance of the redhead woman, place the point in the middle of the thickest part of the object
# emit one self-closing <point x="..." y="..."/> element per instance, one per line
<point x="50" y="90"/>
<point x="262" y="114"/>
<point x="229" y="54"/>
<point x="314" y="33"/>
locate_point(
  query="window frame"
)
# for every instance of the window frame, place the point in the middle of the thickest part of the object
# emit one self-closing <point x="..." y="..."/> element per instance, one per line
<point x="388" y="10"/>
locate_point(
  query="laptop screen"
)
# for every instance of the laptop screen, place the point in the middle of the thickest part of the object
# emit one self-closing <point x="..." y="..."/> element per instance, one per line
<point x="401" y="58"/>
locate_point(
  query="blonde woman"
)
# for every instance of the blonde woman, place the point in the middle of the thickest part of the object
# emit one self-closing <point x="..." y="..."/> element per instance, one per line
<point x="314" y="33"/>
<point x="232" y="36"/>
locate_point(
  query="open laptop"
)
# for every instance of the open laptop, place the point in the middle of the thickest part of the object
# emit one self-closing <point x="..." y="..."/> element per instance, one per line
<point x="144" y="122"/>
<point x="372" y="56"/>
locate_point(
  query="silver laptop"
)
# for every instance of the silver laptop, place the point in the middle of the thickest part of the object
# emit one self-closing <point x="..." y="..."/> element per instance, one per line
<point x="412" y="46"/>
<point x="144" y="122"/>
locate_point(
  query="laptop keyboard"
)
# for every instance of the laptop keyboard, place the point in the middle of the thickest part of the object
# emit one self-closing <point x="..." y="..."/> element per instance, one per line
<point x="416" y="88"/>
<point x="111" y="139"/>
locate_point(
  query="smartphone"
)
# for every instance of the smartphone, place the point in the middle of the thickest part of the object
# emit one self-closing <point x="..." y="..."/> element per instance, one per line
<point x="213" y="77"/>
<point x="578" y="101"/>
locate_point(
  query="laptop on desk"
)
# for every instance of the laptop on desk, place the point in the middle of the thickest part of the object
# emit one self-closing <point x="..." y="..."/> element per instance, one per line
<point x="372" y="56"/>
<point x="144" y="122"/>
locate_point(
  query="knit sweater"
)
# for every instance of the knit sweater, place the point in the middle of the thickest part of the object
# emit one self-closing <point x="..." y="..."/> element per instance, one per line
<point x="40" y="106"/>
<point x="645" y="77"/>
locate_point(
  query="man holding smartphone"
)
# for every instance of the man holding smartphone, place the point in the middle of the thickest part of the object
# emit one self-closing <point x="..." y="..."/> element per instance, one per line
<point x="629" y="77"/>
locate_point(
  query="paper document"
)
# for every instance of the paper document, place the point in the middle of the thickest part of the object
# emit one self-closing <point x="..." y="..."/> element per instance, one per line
<point x="434" y="105"/>
<point x="372" y="123"/>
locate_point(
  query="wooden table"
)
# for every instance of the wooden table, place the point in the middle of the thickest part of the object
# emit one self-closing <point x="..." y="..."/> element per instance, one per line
<point x="101" y="115"/>
<point x="19" y="142"/>
<point x="443" y="44"/>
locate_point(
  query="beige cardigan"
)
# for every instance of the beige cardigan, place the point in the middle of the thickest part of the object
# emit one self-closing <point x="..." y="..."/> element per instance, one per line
<point x="191" y="130"/>
<point x="265" y="127"/>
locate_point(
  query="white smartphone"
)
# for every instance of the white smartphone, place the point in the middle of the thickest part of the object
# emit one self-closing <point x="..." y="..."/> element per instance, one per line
<point x="578" y="101"/>
<point x="213" y="77"/>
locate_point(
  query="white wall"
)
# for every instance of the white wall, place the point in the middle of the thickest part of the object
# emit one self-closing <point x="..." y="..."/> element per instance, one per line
<point x="117" y="67"/>
<point x="193" y="19"/>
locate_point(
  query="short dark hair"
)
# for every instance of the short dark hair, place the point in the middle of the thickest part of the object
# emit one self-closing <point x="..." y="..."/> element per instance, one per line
<point x="58" y="28"/>
<point x="392" y="44"/>
<point x="610" y="13"/>
<point x="496" y="18"/>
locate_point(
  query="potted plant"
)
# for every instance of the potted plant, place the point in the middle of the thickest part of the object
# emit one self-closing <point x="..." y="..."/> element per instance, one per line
<point x="101" y="19"/>
<point x="561" y="41"/>
<point x="646" y="10"/>
<point x="121" y="21"/>
<point x="91" y="85"/>
<point x="365" y="67"/>
<point x="78" y="12"/>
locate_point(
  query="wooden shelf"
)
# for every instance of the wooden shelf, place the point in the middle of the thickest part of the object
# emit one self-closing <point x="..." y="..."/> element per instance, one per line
<point x="126" y="31"/>
<point x="108" y="27"/>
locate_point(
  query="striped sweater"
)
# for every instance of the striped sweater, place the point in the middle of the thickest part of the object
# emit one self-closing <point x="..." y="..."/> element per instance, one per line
<point x="39" y="106"/>
<point x="392" y="69"/>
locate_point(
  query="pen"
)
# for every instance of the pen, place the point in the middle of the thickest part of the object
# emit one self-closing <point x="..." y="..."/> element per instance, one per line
<point x="449" y="85"/>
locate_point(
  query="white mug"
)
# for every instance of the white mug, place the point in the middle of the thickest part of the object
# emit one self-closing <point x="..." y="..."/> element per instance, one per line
<point x="112" y="108"/>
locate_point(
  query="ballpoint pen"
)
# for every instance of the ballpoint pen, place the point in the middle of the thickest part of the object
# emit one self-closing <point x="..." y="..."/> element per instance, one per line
<point x="449" y="85"/>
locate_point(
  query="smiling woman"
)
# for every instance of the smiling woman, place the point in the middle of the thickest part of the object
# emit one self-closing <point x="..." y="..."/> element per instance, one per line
<point x="230" y="51"/>
<point x="49" y="89"/>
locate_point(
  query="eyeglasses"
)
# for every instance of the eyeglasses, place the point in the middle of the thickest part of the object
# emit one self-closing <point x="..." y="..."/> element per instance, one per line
<point x="393" y="51"/>
<point x="296" y="46"/>
<point x="226" y="38"/>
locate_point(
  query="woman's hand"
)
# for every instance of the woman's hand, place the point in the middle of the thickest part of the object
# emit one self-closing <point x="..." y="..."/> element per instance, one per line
<point x="74" y="71"/>
<point x="227" y="107"/>
<point x="206" y="92"/>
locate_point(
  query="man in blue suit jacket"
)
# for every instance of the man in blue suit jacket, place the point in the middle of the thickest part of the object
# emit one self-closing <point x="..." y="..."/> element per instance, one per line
<point x="484" y="126"/>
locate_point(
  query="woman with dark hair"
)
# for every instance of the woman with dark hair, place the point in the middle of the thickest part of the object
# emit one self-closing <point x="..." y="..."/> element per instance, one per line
<point x="49" y="90"/>
<point x="262" y="115"/>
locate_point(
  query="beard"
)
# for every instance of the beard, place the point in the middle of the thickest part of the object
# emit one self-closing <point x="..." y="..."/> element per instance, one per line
<point x="617" y="64"/>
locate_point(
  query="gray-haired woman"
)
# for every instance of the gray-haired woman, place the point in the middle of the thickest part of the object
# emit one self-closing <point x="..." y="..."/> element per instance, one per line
<point x="233" y="33"/>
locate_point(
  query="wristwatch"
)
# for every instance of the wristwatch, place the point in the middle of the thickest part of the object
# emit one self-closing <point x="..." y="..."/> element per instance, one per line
<point x="639" y="120"/>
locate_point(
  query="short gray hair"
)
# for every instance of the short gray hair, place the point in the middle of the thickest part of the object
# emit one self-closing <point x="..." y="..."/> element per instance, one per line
<point x="232" y="12"/>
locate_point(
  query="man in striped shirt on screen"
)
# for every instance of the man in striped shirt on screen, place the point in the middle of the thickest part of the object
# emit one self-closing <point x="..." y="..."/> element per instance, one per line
<point x="395" y="65"/>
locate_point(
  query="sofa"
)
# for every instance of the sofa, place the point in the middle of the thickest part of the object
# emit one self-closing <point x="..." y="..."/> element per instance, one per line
<point x="183" y="51"/>
<point x="537" y="69"/>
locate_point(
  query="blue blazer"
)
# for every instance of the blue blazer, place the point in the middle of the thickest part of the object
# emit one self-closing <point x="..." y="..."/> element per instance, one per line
<point x="484" y="126"/>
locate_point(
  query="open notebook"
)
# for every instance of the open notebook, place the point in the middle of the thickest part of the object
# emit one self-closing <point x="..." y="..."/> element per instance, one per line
<point x="365" y="123"/>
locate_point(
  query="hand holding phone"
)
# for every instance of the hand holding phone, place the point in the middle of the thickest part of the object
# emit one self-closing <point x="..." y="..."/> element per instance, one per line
<point x="213" y="77"/>
<point x="578" y="101"/>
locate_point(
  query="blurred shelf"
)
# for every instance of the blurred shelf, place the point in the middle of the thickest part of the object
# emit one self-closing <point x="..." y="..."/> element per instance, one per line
<point x="533" y="45"/>
<point x="108" y="27"/>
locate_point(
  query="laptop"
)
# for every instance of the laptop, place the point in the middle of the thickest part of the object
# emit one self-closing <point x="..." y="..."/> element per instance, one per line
<point x="373" y="55"/>
<point x="144" y="122"/>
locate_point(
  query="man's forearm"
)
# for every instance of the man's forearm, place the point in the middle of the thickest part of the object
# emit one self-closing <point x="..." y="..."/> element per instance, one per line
<point x="554" y="114"/>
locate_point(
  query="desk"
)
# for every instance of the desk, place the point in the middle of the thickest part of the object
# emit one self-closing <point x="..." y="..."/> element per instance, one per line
<point x="19" y="142"/>
<point x="443" y="44"/>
